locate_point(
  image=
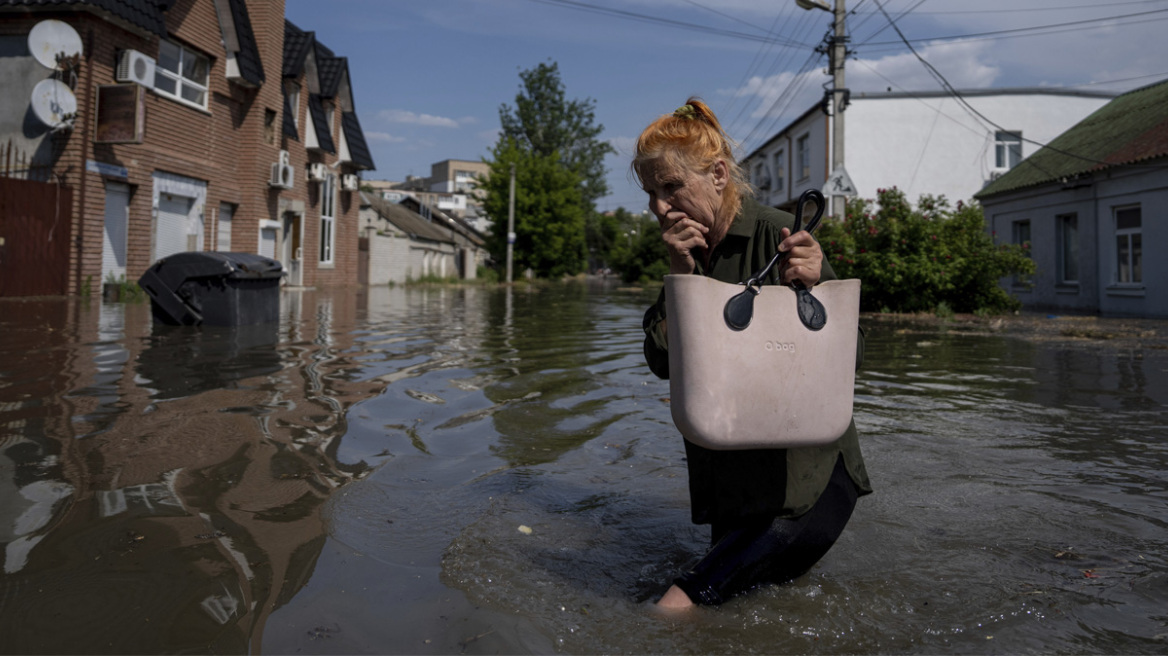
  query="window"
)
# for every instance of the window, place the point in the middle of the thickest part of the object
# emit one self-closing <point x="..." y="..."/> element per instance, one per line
<point x="328" y="118"/>
<point x="1007" y="149"/>
<point x="269" y="126"/>
<point x="1022" y="238"/>
<point x="328" y="196"/>
<point x="223" y="233"/>
<point x="1068" y="253"/>
<point x="803" y="155"/>
<point x="181" y="74"/>
<point x="292" y="90"/>
<point x="780" y="170"/>
<point x="762" y="178"/>
<point x="1128" y="247"/>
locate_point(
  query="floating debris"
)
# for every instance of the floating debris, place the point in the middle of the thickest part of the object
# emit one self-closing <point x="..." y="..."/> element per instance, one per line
<point x="425" y="396"/>
<point x="524" y="529"/>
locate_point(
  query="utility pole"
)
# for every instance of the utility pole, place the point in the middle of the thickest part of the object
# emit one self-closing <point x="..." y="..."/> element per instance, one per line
<point x="511" y="223"/>
<point x="837" y="54"/>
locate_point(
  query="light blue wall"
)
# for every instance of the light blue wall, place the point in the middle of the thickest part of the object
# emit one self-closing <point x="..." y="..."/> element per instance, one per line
<point x="1096" y="292"/>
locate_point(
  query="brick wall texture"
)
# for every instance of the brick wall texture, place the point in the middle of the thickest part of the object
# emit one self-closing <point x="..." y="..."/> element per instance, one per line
<point x="230" y="146"/>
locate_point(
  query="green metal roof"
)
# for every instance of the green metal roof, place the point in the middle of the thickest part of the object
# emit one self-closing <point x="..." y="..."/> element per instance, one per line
<point x="1130" y="129"/>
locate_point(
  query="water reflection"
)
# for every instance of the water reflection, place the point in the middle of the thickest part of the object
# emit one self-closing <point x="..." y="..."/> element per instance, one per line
<point x="164" y="483"/>
<point x="357" y="482"/>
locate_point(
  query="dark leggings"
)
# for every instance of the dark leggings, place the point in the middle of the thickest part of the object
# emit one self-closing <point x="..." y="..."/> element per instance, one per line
<point x="749" y="552"/>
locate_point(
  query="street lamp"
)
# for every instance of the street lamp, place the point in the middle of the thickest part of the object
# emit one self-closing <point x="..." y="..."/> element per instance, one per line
<point x="838" y="54"/>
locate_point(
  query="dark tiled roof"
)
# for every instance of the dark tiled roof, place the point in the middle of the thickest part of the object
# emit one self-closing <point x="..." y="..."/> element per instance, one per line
<point x="1128" y="130"/>
<point x="297" y="43"/>
<point x="248" y="57"/>
<point x="324" y="133"/>
<point x="331" y="70"/>
<point x="407" y="220"/>
<point x="289" y="127"/>
<point x="358" y="149"/>
<point x="146" y="14"/>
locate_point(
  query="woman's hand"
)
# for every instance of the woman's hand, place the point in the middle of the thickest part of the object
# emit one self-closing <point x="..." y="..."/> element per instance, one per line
<point x="682" y="238"/>
<point x="805" y="258"/>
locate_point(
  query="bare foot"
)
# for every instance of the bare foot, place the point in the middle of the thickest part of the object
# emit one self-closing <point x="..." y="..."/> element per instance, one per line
<point x="675" y="599"/>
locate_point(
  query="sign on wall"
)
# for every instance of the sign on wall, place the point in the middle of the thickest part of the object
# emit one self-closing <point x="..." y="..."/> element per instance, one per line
<point x="121" y="113"/>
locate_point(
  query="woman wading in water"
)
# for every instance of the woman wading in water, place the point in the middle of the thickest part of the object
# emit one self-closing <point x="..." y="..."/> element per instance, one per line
<point x="773" y="512"/>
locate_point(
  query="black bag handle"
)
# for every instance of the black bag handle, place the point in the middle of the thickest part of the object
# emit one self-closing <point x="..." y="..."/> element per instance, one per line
<point x="739" y="310"/>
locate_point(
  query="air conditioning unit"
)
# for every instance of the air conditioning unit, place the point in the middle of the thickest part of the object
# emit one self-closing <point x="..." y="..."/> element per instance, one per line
<point x="350" y="182"/>
<point x="317" y="172"/>
<point x="134" y="66"/>
<point x="283" y="175"/>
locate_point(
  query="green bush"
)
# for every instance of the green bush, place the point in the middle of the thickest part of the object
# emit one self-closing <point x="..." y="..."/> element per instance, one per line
<point x="916" y="260"/>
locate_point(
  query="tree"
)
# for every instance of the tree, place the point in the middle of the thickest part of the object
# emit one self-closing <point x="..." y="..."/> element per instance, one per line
<point x="916" y="260"/>
<point x="549" y="211"/>
<point x="543" y="122"/>
<point x="559" y="174"/>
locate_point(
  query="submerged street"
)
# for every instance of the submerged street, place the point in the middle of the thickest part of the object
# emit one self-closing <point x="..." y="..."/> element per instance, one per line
<point x="434" y="469"/>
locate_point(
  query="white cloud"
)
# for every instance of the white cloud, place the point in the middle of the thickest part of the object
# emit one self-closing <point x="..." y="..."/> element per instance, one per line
<point x="384" y="136"/>
<point x="412" y="118"/>
<point x="962" y="63"/>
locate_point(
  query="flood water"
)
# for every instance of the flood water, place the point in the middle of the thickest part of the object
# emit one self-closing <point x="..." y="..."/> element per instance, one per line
<point x="488" y="470"/>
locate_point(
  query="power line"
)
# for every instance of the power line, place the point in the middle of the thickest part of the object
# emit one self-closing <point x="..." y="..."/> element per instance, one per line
<point x="1113" y="3"/>
<point x="965" y="104"/>
<point x="781" y="62"/>
<point x="629" y="15"/>
<point x="1094" y="22"/>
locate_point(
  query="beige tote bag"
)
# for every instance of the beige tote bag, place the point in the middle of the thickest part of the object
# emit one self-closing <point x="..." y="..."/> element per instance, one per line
<point x="753" y="366"/>
<point x="776" y="382"/>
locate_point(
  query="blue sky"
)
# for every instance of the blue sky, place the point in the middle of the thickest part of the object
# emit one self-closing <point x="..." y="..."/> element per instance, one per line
<point x="429" y="75"/>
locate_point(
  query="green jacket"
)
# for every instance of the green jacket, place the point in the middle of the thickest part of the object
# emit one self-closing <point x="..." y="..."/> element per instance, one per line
<point x="727" y="485"/>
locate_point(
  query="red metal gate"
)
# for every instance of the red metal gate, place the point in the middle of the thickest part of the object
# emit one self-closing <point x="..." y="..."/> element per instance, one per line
<point x="34" y="237"/>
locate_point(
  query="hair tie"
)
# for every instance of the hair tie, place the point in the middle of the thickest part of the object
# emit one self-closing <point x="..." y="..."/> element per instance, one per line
<point x="686" y="112"/>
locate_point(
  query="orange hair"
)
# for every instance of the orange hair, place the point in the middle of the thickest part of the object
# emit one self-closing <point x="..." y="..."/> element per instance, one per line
<point x="692" y="139"/>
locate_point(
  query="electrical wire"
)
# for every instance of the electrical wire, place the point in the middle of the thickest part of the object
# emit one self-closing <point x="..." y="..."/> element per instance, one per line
<point x="629" y="15"/>
<point x="1028" y="31"/>
<point x="973" y="111"/>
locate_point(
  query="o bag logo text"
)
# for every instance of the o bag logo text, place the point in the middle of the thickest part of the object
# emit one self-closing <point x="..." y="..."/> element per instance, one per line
<point x="778" y="346"/>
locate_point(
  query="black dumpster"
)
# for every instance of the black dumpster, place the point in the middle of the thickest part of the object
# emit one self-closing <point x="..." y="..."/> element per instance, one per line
<point x="215" y="289"/>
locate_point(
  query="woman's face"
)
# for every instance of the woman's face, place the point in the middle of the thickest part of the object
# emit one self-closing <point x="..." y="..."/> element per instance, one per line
<point x="676" y="194"/>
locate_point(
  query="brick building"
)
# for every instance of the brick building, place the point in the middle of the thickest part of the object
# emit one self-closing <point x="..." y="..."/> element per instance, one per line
<point x="199" y="125"/>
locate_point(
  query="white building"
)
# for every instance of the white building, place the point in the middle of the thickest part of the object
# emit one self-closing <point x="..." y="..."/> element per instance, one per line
<point x="921" y="143"/>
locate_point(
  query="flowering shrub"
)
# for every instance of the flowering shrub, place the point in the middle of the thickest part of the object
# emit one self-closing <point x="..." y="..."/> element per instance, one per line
<point x="915" y="260"/>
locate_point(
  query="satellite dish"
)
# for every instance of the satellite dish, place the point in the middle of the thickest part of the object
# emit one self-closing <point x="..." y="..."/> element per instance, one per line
<point x="50" y="38"/>
<point x="53" y="103"/>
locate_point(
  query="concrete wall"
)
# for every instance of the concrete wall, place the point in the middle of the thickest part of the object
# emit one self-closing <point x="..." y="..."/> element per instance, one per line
<point x="924" y="144"/>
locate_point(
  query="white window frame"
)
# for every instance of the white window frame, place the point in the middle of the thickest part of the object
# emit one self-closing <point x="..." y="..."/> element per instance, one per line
<point x="803" y="155"/>
<point x="223" y="227"/>
<point x="1131" y="236"/>
<point x="328" y="219"/>
<point x="179" y="78"/>
<point x="1007" y="149"/>
<point x="1068" y="248"/>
